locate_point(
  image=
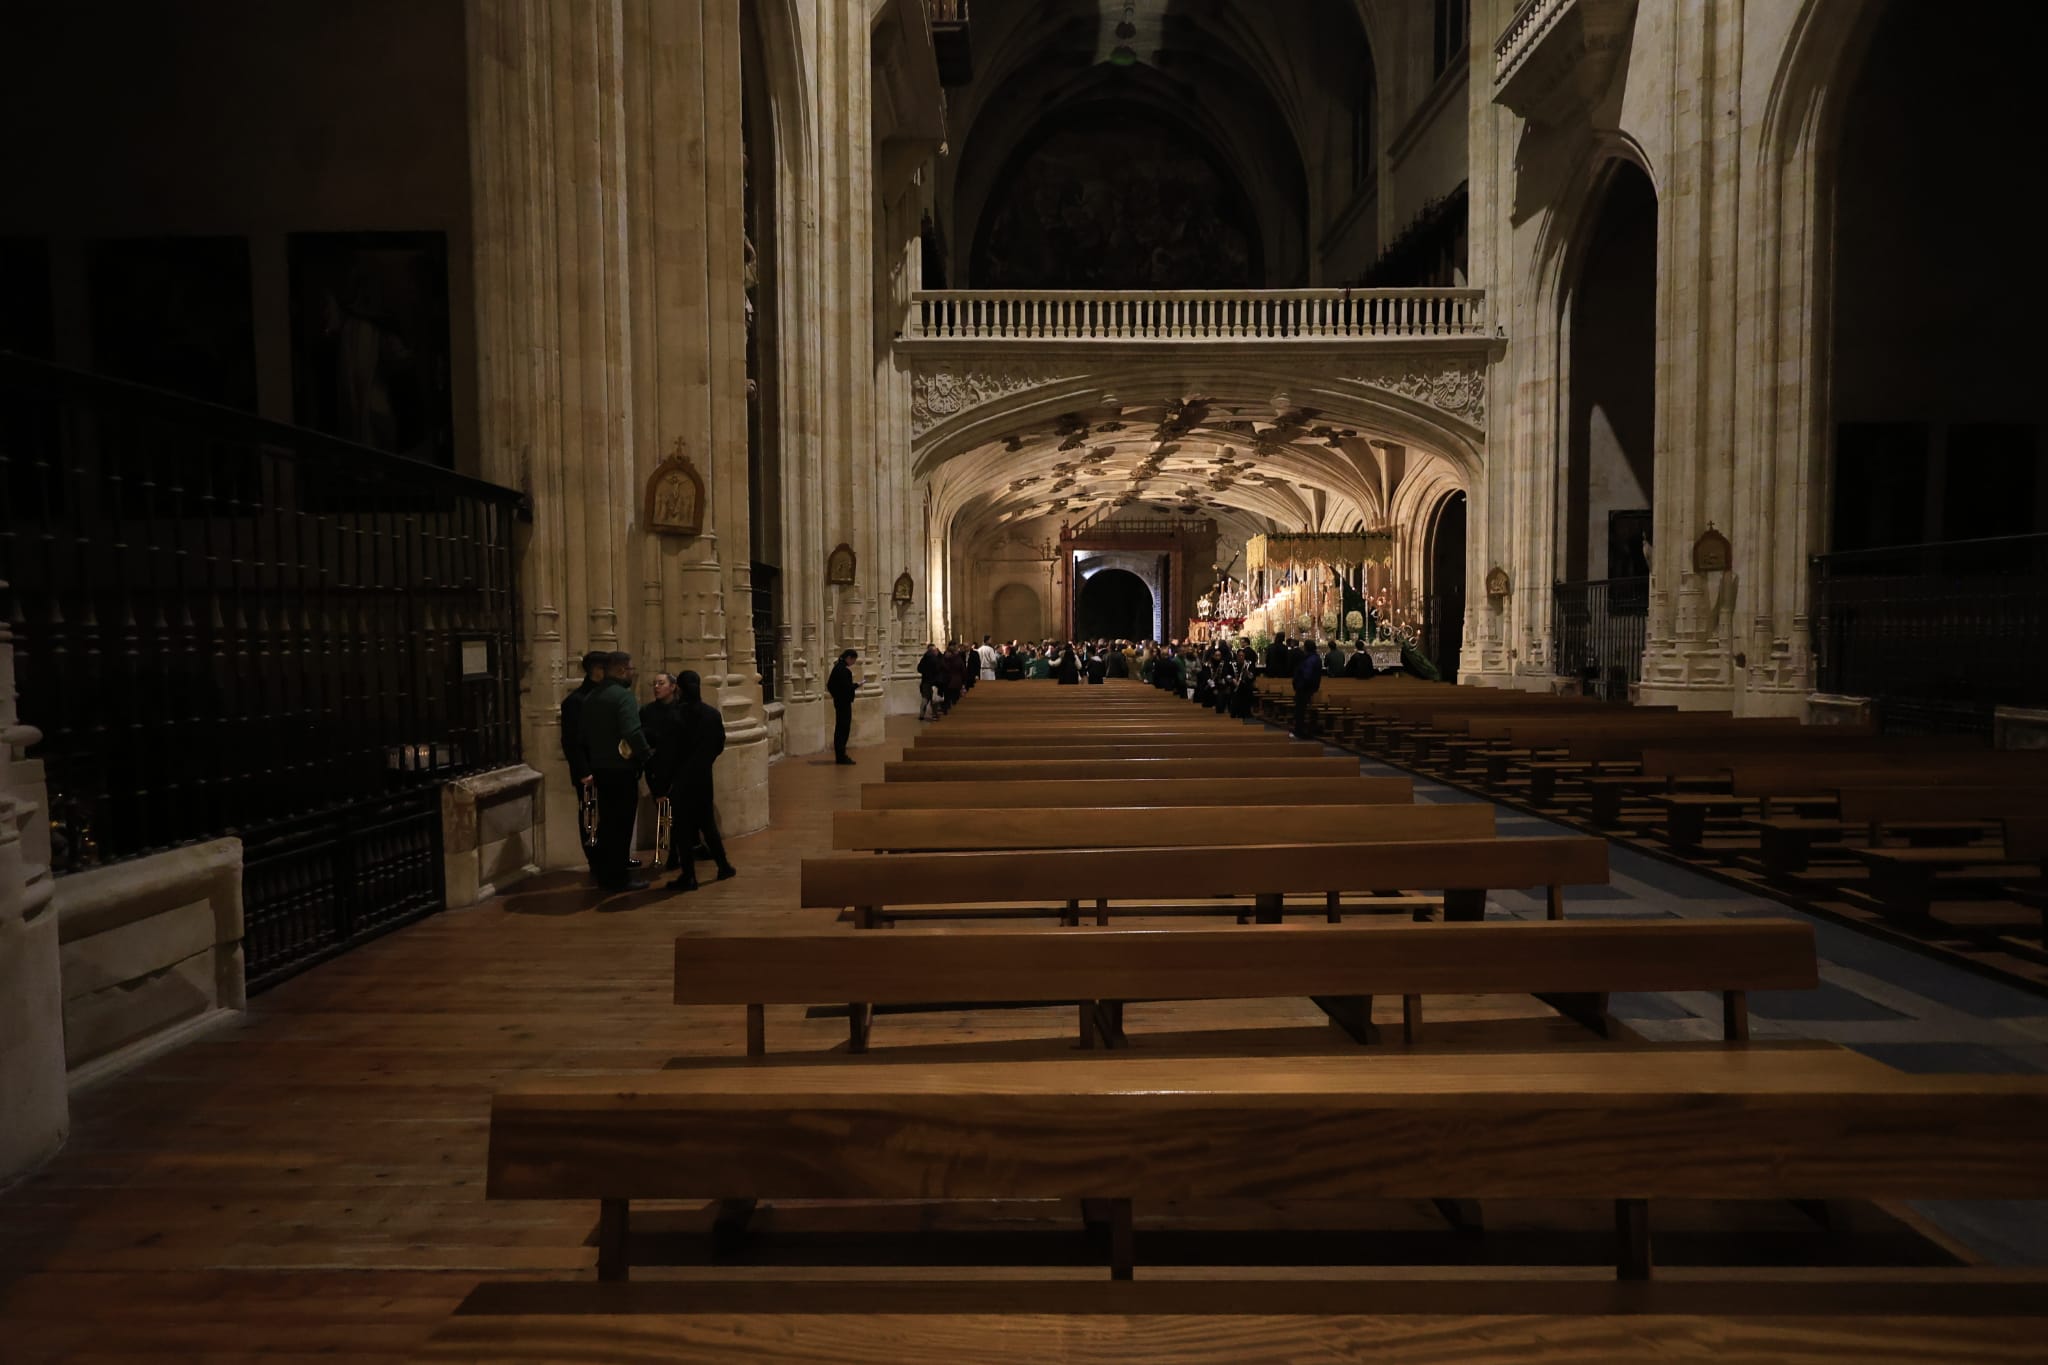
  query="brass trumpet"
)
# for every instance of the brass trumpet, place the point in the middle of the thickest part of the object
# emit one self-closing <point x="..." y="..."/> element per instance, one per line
<point x="589" y="815"/>
<point x="664" y="830"/>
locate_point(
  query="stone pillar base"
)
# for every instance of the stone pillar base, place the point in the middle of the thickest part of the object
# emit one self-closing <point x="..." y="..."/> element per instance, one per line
<point x="148" y="947"/>
<point x="491" y="831"/>
<point x="36" y="1113"/>
<point x="2019" y="727"/>
<point x="1829" y="708"/>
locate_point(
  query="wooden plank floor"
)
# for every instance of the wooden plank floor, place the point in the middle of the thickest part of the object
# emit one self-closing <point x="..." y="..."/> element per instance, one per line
<point x="308" y="1179"/>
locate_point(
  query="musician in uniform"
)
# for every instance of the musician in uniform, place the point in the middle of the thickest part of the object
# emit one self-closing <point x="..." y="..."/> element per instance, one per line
<point x="618" y="747"/>
<point x="661" y="722"/>
<point x="574" y="747"/>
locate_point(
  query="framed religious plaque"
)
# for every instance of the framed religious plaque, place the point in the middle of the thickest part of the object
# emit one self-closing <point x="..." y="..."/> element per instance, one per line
<point x="1496" y="582"/>
<point x="675" y="496"/>
<point x="903" y="590"/>
<point x="839" y="565"/>
<point x="1710" y="553"/>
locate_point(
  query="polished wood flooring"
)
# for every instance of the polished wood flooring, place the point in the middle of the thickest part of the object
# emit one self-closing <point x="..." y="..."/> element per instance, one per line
<point x="307" y="1181"/>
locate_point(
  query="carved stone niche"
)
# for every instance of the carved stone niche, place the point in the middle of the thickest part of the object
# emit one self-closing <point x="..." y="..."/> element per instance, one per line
<point x="1558" y="56"/>
<point x="675" y="496"/>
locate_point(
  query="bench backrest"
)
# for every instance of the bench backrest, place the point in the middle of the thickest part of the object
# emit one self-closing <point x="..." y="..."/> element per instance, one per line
<point x="1052" y="748"/>
<point x="1008" y="878"/>
<point x="910" y="966"/>
<point x="1946" y="801"/>
<point x="1020" y="736"/>
<point x="1810" y="772"/>
<point x="1136" y="827"/>
<point x="1097" y="790"/>
<point x="1057" y="769"/>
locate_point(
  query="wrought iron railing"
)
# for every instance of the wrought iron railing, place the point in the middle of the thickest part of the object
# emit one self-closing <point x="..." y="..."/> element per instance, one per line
<point x="1198" y="315"/>
<point x="1597" y="632"/>
<point x="1939" y="633"/>
<point x="222" y="623"/>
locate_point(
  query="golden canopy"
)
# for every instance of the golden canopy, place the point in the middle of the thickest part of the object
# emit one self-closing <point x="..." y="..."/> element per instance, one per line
<point x="1307" y="549"/>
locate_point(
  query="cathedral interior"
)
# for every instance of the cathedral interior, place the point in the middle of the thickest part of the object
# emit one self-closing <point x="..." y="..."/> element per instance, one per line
<point x="1631" y="382"/>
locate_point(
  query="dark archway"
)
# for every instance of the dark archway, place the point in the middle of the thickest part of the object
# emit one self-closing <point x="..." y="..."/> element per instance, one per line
<point x="1114" y="604"/>
<point x="1935" y="368"/>
<point x="1609" y="483"/>
<point x="1445" y="626"/>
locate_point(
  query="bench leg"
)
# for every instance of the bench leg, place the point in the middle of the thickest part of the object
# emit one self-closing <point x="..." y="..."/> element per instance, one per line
<point x="1735" y="1016"/>
<point x="1102" y="911"/>
<point x="857" y="1020"/>
<point x="612" y="1230"/>
<point x="757" y="1030"/>
<point x="1109" y="1023"/>
<point x="729" y="1225"/>
<point x="1071" y="916"/>
<point x="863" y="916"/>
<point x="1121" y="1257"/>
<point x="1584" y="1007"/>
<point x="1411" y="1018"/>
<point x="1631" y="1239"/>
<point x="1462" y="1214"/>
<point x="1555" y="904"/>
<point x="1333" y="903"/>
<point x="1352" y="1013"/>
<point x="1268" y="908"/>
<point x="1464" y="904"/>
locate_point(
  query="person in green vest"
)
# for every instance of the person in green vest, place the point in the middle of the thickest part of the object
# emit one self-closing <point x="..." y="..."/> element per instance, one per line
<point x="618" y="748"/>
<point x="1039" y="666"/>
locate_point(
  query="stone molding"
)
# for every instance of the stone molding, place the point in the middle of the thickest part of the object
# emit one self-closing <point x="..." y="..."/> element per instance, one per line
<point x="942" y="390"/>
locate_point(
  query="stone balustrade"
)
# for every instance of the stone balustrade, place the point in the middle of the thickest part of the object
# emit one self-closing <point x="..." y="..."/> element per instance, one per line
<point x="1521" y="35"/>
<point x="1208" y="315"/>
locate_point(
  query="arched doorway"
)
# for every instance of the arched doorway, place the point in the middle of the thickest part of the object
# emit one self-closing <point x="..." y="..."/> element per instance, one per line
<point x="1609" y="475"/>
<point x="1019" y="615"/>
<point x="1114" y="604"/>
<point x="1445" y="623"/>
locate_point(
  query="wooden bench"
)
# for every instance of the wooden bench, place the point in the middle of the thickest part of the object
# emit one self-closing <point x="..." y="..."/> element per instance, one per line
<point x="1278" y="747"/>
<point x="1099" y="789"/>
<point x="882" y="887"/>
<point x="1130" y="769"/>
<point x="899" y="831"/>
<point x="1629" y="1124"/>
<point x="1573" y="966"/>
<point x="1011" y="737"/>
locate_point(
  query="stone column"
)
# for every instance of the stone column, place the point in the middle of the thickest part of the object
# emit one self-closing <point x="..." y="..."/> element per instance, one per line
<point x="36" y="1113"/>
<point x="605" y="158"/>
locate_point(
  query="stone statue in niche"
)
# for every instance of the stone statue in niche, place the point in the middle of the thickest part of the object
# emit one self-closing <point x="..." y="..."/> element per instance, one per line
<point x="1496" y="582"/>
<point x="839" y="565"/>
<point x="1710" y="553"/>
<point x="903" y="589"/>
<point x="675" y="496"/>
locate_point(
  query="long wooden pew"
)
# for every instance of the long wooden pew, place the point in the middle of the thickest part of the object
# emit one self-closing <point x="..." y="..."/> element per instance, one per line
<point x="880" y="888"/>
<point x="1572" y="965"/>
<point x="1107" y="749"/>
<point x="1060" y="769"/>
<point x="1012" y="737"/>
<point x="1632" y="1125"/>
<point x="1100" y="788"/>
<point x="956" y="829"/>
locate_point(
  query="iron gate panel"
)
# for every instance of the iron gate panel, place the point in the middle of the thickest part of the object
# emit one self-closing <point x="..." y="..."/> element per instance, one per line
<point x="1597" y="633"/>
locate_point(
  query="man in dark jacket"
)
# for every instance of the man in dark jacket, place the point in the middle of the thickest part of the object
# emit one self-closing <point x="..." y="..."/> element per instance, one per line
<point x="574" y="749"/>
<point x="1359" y="665"/>
<point x="840" y="686"/>
<point x="617" y="748"/>
<point x="1308" y="680"/>
<point x="1278" y="662"/>
<point x="703" y="731"/>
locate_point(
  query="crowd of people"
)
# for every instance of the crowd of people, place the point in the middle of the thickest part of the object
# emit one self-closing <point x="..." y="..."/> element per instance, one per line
<point x="613" y="744"/>
<point x="1219" y="674"/>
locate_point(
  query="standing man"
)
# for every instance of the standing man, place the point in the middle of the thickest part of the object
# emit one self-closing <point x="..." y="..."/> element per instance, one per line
<point x="661" y="722"/>
<point x="618" y="748"/>
<point x="703" y="731"/>
<point x="1308" y="679"/>
<point x="575" y="749"/>
<point x="840" y="686"/>
<point x="986" y="656"/>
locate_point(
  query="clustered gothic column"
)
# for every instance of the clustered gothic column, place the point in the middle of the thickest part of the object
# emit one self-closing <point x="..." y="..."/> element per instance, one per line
<point x="36" y="1107"/>
<point x="606" y="180"/>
